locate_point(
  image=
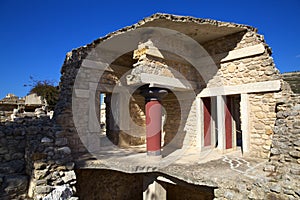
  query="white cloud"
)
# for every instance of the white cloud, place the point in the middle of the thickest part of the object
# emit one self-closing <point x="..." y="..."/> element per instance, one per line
<point x="298" y="56"/>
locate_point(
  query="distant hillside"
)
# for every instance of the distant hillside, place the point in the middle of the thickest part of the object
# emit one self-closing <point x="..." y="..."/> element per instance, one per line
<point x="293" y="78"/>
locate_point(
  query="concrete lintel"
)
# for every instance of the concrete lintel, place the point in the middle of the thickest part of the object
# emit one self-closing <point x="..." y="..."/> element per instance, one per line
<point x="242" y="53"/>
<point x="166" y="82"/>
<point x="265" y="86"/>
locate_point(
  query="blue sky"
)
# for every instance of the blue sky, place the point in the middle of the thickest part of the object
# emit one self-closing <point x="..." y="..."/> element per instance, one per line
<point x="35" y="35"/>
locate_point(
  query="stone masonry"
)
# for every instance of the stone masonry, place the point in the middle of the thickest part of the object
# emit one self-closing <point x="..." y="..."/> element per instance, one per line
<point x="46" y="159"/>
<point x="293" y="78"/>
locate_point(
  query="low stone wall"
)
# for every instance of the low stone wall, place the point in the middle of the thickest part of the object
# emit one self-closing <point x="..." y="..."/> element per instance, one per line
<point x="35" y="160"/>
<point x="284" y="164"/>
<point x="13" y="179"/>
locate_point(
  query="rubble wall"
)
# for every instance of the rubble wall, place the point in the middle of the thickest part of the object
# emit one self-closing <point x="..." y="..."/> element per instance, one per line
<point x="35" y="160"/>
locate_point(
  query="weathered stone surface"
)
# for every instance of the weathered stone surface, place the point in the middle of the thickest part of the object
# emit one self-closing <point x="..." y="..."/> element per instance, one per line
<point x="46" y="140"/>
<point x="275" y="188"/>
<point x="43" y="189"/>
<point x="70" y="166"/>
<point x="15" y="184"/>
<point x="59" y="192"/>
<point x="296" y="125"/>
<point x="3" y="150"/>
<point x="64" y="150"/>
<point x="61" y="141"/>
<point x="295" y="171"/>
<point x="295" y="154"/>
<point x="256" y="194"/>
<point x="40" y="165"/>
<point x="269" y="168"/>
<point x="69" y="176"/>
<point x="14" y="166"/>
<point x="296" y="143"/>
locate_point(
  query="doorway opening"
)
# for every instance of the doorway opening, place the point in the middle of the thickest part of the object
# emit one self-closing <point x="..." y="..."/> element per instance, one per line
<point x="233" y="132"/>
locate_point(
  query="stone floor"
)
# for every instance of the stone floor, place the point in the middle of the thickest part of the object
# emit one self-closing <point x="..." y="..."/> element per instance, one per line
<point x="201" y="168"/>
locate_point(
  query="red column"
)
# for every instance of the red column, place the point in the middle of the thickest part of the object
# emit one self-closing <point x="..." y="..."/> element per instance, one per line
<point x="228" y="123"/>
<point x="153" y="119"/>
<point x="153" y="127"/>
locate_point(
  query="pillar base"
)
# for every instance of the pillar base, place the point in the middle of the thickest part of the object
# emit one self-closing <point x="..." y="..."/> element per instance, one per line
<point x="154" y="153"/>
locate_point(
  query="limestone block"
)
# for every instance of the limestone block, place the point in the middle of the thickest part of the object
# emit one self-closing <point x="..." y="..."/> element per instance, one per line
<point x="295" y="154"/>
<point x="40" y="189"/>
<point x="69" y="176"/>
<point x="64" y="150"/>
<point x="46" y="140"/>
<point x="59" y="192"/>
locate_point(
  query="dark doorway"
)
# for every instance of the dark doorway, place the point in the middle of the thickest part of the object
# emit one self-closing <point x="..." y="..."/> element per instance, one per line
<point x="207" y="121"/>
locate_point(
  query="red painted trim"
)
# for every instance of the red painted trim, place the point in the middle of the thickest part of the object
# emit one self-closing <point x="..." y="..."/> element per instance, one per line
<point x="207" y="121"/>
<point x="228" y="123"/>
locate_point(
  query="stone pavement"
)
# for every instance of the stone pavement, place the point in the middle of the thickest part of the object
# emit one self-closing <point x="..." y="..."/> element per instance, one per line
<point x="206" y="168"/>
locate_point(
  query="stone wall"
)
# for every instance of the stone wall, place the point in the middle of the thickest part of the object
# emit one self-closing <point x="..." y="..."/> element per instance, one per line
<point x="256" y="68"/>
<point x="35" y="160"/>
<point x="13" y="177"/>
<point x="284" y="165"/>
<point x="263" y="116"/>
<point x="246" y="70"/>
<point x="93" y="184"/>
<point x="293" y="78"/>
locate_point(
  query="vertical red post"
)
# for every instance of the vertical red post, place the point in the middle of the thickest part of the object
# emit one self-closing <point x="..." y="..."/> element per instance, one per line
<point x="153" y="127"/>
<point x="228" y="123"/>
<point x="153" y="106"/>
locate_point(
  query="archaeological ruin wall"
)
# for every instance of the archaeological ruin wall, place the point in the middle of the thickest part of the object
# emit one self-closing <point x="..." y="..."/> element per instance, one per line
<point x="43" y="157"/>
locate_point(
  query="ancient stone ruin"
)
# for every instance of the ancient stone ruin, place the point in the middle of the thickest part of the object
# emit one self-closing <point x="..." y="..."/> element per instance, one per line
<point x="293" y="78"/>
<point x="13" y="107"/>
<point x="190" y="109"/>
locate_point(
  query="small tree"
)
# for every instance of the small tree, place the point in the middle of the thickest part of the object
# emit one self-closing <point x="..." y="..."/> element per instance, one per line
<point x="46" y="89"/>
